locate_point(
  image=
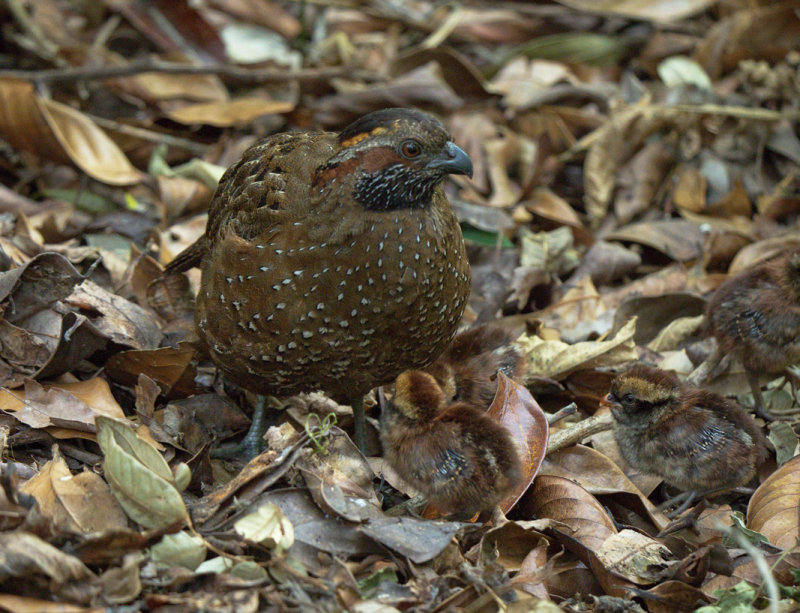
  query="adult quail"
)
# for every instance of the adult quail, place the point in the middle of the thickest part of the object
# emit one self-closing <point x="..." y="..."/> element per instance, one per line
<point x="333" y="261"/>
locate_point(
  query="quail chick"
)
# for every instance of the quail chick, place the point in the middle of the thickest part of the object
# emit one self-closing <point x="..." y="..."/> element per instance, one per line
<point x="331" y="261"/>
<point x="467" y="370"/>
<point x="459" y="458"/>
<point x="755" y="316"/>
<point x="692" y="438"/>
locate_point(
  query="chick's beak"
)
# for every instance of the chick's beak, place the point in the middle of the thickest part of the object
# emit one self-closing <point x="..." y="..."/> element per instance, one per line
<point x="452" y="160"/>
<point x="607" y="401"/>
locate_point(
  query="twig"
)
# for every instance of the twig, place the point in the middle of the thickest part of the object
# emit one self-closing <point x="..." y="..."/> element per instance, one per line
<point x="45" y="47"/>
<point x="578" y="432"/>
<point x="85" y="73"/>
<point x="150" y="135"/>
<point x="562" y="413"/>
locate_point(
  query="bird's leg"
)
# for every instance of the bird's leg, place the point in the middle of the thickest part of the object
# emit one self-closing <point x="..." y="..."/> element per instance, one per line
<point x="359" y="423"/>
<point x="694" y="494"/>
<point x="791" y="376"/>
<point x="758" y="399"/>
<point x="685" y="498"/>
<point x="253" y="442"/>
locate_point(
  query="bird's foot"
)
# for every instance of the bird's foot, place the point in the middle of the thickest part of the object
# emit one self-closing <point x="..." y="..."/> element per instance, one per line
<point x="684" y="500"/>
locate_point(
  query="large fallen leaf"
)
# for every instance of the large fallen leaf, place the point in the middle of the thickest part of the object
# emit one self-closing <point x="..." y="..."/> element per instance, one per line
<point x="678" y="239"/>
<point x="339" y="479"/>
<point x="24" y="604"/>
<point x="60" y="133"/>
<point x="171" y="367"/>
<point x="66" y="405"/>
<point x="139" y="476"/>
<point x="227" y="113"/>
<point x="773" y="508"/>
<point x="79" y="503"/>
<point x="418" y="539"/>
<point x="24" y="556"/>
<point x="268" y="526"/>
<point x="598" y="474"/>
<point x="610" y="147"/>
<point x="655" y="10"/>
<point x="765" y="32"/>
<point x="567" y="502"/>
<point x="518" y="411"/>
<point x="556" y="359"/>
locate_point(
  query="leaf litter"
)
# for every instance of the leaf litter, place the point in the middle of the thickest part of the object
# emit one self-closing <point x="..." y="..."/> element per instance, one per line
<point x="628" y="158"/>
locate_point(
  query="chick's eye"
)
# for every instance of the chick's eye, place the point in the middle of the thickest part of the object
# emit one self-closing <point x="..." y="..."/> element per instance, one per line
<point x="411" y="149"/>
<point x="627" y="399"/>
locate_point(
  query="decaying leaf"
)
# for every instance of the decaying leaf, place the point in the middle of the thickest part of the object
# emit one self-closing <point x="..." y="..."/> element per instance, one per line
<point x="518" y="411"/>
<point x="139" y="476"/>
<point x="772" y="510"/>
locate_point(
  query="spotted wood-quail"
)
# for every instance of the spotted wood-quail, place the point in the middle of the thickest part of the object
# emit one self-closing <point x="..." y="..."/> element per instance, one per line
<point x="333" y="261"/>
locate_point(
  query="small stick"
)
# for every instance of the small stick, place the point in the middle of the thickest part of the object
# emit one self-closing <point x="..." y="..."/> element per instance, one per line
<point x="562" y="413"/>
<point x="580" y="431"/>
<point x="86" y="73"/>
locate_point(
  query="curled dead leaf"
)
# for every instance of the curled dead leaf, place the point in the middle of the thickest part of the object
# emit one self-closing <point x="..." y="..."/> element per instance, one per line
<point x="518" y="411"/>
<point x="772" y="510"/>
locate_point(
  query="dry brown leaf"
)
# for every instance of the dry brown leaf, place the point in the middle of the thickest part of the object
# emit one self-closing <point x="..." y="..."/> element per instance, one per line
<point x="170" y="367"/>
<point x="678" y="239"/>
<point x="598" y="474"/>
<point x="339" y="479"/>
<point x="86" y="144"/>
<point x="518" y="411"/>
<point x="80" y="503"/>
<point x="690" y="190"/>
<point x="639" y="180"/>
<point x="655" y="10"/>
<point x="773" y="508"/>
<point x="68" y="405"/>
<point x="754" y="254"/>
<point x="229" y="113"/>
<point x="567" y="502"/>
<point x="25" y="604"/>
<point x="556" y="359"/>
<point x="767" y="32"/>
<point x="611" y="146"/>
<point x="634" y="556"/>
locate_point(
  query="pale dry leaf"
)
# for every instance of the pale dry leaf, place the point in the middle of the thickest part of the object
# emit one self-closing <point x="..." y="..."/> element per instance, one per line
<point x="635" y="556"/>
<point x="556" y="359"/>
<point x="772" y="509"/>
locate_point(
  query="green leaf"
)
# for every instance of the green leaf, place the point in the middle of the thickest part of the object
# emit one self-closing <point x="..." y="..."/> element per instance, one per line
<point x="482" y="237"/>
<point x="370" y="584"/>
<point x="140" y="478"/>
<point x="83" y="200"/>
<point x="179" y="549"/>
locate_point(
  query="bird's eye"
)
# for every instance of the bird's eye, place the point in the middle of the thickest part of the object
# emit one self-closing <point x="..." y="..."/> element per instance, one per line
<point x="411" y="149"/>
<point x="627" y="399"/>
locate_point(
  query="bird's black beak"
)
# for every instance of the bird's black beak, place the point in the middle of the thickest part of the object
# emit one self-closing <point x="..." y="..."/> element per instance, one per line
<point x="452" y="160"/>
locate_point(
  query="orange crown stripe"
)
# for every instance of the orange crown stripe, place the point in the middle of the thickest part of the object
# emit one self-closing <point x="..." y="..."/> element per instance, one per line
<point x="359" y="137"/>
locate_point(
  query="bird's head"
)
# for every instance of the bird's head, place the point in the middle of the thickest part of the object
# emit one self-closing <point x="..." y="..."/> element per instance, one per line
<point x="640" y="390"/>
<point x="417" y="396"/>
<point x="396" y="158"/>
